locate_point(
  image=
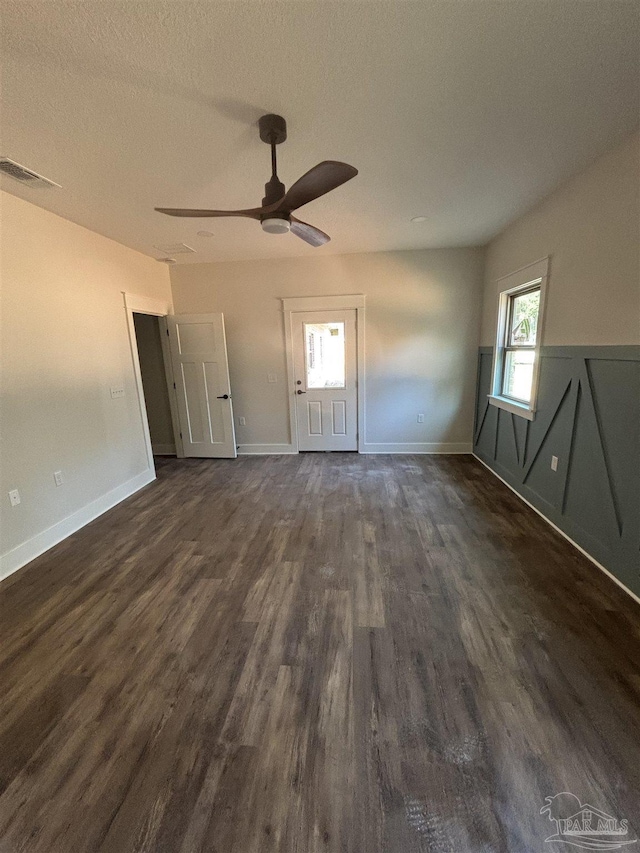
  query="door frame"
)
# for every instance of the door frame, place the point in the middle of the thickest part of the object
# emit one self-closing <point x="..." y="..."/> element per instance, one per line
<point x="136" y="304"/>
<point x="294" y="305"/>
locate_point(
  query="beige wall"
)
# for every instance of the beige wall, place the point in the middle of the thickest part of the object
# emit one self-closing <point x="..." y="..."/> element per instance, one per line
<point x="422" y="317"/>
<point x="64" y="345"/>
<point x="154" y="380"/>
<point x="590" y="227"/>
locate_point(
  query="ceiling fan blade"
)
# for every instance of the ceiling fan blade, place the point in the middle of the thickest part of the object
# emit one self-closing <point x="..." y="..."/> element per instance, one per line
<point x="308" y="233"/>
<point x="252" y="213"/>
<point x="323" y="178"/>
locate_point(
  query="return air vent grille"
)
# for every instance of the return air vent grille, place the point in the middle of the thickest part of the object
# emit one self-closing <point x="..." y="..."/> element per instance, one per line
<point x="24" y="175"/>
<point x="171" y="249"/>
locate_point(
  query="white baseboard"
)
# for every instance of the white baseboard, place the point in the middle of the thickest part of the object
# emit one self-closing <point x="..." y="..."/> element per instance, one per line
<point x="32" y="548"/>
<point x="393" y="447"/>
<point x="370" y="447"/>
<point x="163" y="449"/>
<point x="265" y="449"/>
<point x="418" y="447"/>
<point x="561" y="532"/>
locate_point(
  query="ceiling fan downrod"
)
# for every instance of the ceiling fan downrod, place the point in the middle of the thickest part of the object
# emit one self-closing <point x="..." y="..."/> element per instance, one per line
<point x="273" y="131"/>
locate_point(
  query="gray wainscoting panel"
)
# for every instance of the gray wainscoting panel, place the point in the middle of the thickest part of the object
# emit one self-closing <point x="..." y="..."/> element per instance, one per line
<point x="589" y="417"/>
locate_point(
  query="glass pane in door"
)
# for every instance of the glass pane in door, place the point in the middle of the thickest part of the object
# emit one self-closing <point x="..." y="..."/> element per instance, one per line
<point x="325" y="355"/>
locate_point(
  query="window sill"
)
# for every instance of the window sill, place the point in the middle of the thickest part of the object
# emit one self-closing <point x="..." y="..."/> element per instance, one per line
<point x="520" y="409"/>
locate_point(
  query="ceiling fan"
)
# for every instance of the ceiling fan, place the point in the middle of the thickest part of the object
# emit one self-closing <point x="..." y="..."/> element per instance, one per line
<point x="278" y="204"/>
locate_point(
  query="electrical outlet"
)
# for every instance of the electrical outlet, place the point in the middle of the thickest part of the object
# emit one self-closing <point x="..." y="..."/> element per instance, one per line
<point x="420" y="419"/>
<point x="14" y="497"/>
<point x="117" y="392"/>
<point x="554" y="463"/>
<point x="272" y="377"/>
<point x="242" y="421"/>
<point x="59" y="479"/>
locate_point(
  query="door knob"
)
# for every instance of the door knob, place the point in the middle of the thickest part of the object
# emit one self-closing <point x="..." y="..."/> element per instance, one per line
<point x="224" y="397"/>
<point x="300" y="392"/>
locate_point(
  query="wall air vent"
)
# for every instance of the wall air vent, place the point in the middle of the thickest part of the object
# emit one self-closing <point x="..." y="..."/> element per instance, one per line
<point x="171" y="249"/>
<point x="25" y="176"/>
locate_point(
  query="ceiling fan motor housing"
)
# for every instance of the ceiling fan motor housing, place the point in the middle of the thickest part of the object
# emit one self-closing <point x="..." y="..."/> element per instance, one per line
<point x="274" y="190"/>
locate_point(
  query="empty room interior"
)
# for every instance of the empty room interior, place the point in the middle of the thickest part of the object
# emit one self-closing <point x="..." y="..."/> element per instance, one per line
<point x="320" y="426"/>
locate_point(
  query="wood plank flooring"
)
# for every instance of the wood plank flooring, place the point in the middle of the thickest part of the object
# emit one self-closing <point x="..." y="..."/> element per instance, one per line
<point x="324" y="652"/>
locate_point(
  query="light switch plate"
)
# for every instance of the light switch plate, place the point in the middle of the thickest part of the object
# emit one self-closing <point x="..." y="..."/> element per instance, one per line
<point x="272" y="377"/>
<point x="14" y="497"/>
<point x="58" y="478"/>
<point x="116" y="392"/>
<point x="554" y="463"/>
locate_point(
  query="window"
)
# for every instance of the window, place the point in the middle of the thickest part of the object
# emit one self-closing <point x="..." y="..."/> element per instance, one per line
<point x="516" y="355"/>
<point x="519" y="349"/>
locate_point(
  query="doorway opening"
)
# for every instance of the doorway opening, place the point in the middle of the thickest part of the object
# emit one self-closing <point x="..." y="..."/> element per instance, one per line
<point x="325" y="365"/>
<point x="154" y="383"/>
<point x="191" y="351"/>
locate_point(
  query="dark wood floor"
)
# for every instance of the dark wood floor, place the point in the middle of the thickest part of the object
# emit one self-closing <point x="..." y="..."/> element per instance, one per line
<point x="318" y="653"/>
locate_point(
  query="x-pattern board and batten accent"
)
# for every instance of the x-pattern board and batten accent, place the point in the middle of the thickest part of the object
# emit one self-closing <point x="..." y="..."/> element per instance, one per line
<point x="589" y="417"/>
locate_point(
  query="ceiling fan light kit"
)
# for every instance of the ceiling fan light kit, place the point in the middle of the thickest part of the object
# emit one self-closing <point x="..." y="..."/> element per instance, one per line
<point x="278" y="204"/>
<point x="275" y="225"/>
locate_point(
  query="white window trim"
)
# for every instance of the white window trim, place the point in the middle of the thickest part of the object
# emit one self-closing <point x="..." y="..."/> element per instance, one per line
<point x="529" y="276"/>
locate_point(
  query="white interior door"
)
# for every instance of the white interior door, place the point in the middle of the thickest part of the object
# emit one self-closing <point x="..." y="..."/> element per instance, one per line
<point x="326" y="386"/>
<point x="201" y="373"/>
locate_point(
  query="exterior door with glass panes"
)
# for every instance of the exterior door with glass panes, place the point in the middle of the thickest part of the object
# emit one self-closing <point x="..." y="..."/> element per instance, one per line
<point x="325" y="379"/>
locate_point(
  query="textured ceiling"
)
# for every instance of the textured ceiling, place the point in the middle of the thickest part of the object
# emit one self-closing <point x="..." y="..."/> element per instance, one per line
<point x="464" y="112"/>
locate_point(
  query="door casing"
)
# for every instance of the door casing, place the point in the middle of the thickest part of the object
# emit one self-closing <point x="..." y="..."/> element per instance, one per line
<point x="136" y="304"/>
<point x="292" y="305"/>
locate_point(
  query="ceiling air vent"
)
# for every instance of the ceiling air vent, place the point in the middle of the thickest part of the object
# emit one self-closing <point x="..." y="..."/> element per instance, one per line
<point x="171" y="249"/>
<point x="24" y="175"/>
